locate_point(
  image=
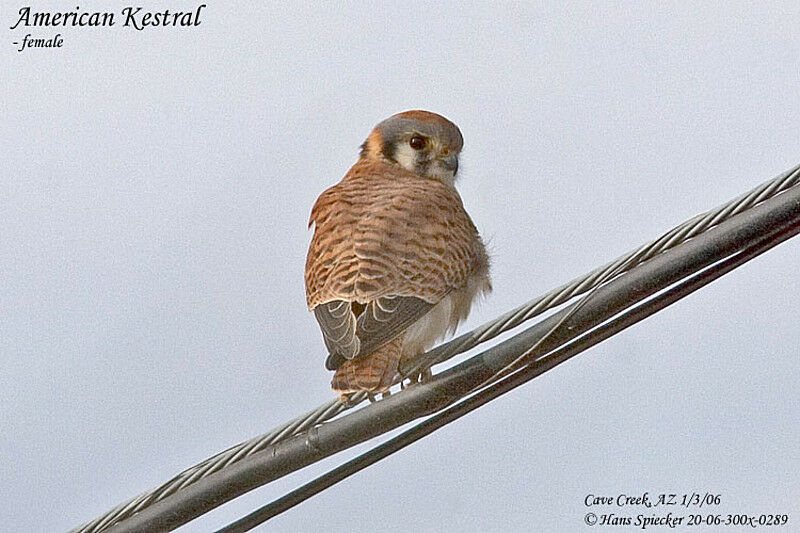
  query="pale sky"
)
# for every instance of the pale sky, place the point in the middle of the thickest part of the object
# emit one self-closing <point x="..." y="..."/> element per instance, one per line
<point x="153" y="211"/>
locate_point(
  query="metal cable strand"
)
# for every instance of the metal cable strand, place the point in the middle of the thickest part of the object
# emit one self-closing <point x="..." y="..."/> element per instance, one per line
<point x="691" y="228"/>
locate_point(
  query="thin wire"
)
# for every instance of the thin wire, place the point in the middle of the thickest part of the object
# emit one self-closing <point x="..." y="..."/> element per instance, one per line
<point x="522" y="375"/>
<point x="488" y="331"/>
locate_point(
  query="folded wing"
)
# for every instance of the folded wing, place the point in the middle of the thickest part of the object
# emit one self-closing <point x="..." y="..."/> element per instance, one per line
<point x="352" y="330"/>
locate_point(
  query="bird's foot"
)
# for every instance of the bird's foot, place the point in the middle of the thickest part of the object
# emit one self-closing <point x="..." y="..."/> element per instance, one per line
<point x="346" y="398"/>
<point x="373" y="396"/>
<point x="417" y="377"/>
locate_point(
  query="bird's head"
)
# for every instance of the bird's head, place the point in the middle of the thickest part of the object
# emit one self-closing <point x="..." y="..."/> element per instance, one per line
<point x="422" y="142"/>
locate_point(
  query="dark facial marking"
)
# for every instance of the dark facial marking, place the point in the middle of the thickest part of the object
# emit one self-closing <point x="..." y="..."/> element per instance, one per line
<point x="388" y="150"/>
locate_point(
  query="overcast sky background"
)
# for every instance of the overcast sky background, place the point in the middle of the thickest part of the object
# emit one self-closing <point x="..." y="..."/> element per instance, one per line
<point x="154" y="197"/>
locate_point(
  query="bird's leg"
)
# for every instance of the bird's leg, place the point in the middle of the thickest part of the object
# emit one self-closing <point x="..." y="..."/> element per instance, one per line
<point x="346" y="398"/>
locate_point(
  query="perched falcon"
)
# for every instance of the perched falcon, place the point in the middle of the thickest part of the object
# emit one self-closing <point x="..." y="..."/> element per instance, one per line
<point x="395" y="261"/>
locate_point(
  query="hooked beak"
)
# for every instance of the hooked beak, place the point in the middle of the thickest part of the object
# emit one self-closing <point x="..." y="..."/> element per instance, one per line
<point x="450" y="163"/>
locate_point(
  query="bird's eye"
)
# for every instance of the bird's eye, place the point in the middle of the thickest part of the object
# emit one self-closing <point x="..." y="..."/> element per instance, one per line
<point x="417" y="142"/>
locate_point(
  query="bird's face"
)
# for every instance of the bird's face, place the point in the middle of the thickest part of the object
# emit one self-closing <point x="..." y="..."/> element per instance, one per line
<point x="424" y="143"/>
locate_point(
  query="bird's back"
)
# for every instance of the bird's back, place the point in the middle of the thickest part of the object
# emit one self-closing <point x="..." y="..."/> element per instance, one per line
<point x="378" y="226"/>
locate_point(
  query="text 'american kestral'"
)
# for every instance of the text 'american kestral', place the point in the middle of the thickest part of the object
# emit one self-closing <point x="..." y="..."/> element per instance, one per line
<point x="133" y="17"/>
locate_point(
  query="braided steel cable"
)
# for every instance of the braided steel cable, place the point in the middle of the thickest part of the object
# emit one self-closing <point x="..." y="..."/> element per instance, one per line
<point x="506" y="322"/>
<point x="776" y="215"/>
<point x="535" y="367"/>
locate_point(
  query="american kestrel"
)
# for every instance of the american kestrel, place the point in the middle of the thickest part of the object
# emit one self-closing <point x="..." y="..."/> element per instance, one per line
<point x="395" y="262"/>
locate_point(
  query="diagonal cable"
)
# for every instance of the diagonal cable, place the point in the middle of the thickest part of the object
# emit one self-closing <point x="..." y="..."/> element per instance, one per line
<point x="778" y="214"/>
<point x="535" y="368"/>
<point x="681" y="233"/>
